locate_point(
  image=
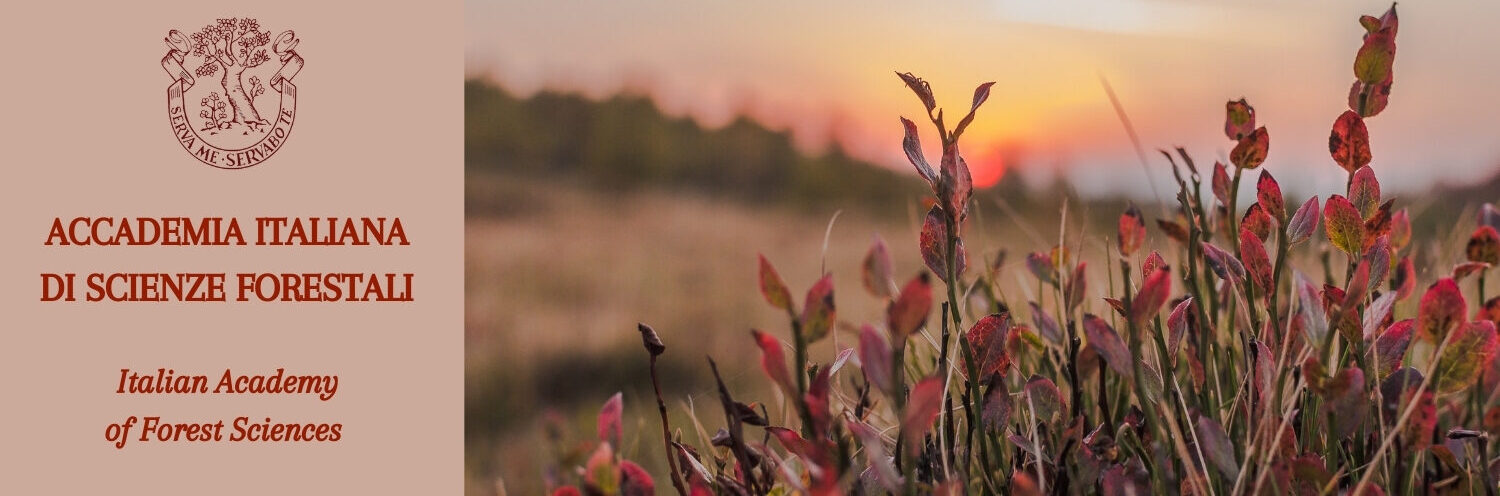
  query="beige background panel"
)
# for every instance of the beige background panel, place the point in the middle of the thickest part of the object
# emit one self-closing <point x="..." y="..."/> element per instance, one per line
<point x="378" y="133"/>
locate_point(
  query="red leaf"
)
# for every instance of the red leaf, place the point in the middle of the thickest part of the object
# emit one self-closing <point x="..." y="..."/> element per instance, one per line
<point x="1377" y="314"/>
<point x="1221" y="183"/>
<point x="1152" y="262"/>
<point x="882" y="470"/>
<point x="1223" y="263"/>
<point x="1344" y="225"/>
<point x="1154" y="292"/>
<point x="1349" y="142"/>
<point x="909" y="312"/>
<point x="567" y="491"/>
<point x="1373" y="98"/>
<point x="1073" y="290"/>
<point x="1257" y="262"/>
<point x="876" y="358"/>
<point x="1467" y="269"/>
<point x="773" y="362"/>
<point x="1268" y="195"/>
<point x="1372" y="64"/>
<point x="1364" y="192"/>
<point x="1258" y="221"/>
<point x="1177" y="326"/>
<point x="981" y="94"/>
<point x="794" y="443"/>
<point x="955" y="183"/>
<point x="772" y="288"/>
<point x="1120" y="480"/>
<point x="818" y="311"/>
<point x="1470" y="351"/>
<point x="1040" y="264"/>
<point x="609" y="420"/>
<point x="1265" y="375"/>
<point x="1400" y="230"/>
<point x="933" y="244"/>
<point x="1378" y="256"/>
<point x="987" y="341"/>
<point x="1313" y="315"/>
<point x="1346" y="402"/>
<point x="1045" y="324"/>
<point x="1490" y="311"/>
<point x="1251" y="150"/>
<point x="1103" y="338"/>
<point x="922" y="408"/>
<point x="1118" y="306"/>
<point x="997" y="408"/>
<point x="1391" y="346"/>
<point x="1239" y="119"/>
<point x="875" y="273"/>
<point x="1304" y="223"/>
<point x="634" y="481"/>
<point x="1132" y="231"/>
<point x="912" y="144"/>
<point x="1378" y="225"/>
<point x="920" y="87"/>
<point x="1441" y="308"/>
<point x="600" y="470"/>
<point x="1484" y="246"/>
<point x="1404" y="278"/>
<point x="1173" y="230"/>
<point x="1217" y="446"/>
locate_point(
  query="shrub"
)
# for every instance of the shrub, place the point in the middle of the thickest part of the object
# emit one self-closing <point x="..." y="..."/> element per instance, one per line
<point x="1230" y="373"/>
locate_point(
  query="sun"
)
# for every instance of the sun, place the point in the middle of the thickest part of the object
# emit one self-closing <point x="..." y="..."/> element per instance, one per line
<point x="987" y="168"/>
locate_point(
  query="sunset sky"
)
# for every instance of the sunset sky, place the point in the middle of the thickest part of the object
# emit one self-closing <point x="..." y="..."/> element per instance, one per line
<point x="825" y="71"/>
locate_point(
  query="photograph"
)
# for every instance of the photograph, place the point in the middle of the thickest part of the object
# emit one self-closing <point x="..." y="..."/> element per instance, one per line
<point x="980" y="247"/>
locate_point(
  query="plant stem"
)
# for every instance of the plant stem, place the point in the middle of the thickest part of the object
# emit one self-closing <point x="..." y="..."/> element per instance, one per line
<point x="666" y="432"/>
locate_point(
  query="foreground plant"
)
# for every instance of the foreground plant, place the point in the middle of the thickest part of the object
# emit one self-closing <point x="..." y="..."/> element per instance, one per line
<point x="1231" y="373"/>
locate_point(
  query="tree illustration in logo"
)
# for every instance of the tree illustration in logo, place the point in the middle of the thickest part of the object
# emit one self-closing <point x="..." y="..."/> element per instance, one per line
<point x="228" y="48"/>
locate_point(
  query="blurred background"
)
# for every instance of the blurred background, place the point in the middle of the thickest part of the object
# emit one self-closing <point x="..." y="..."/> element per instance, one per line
<point x="626" y="161"/>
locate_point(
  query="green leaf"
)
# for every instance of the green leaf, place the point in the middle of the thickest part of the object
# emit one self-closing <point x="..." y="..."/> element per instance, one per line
<point x="1364" y="192"/>
<point x="1045" y="400"/>
<point x="1239" y="119"/>
<point x="1470" y="351"/>
<point x="772" y="288"/>
<point x="1103" y="339"/>
<point x="1441" y="309"/>
<point x="1344" y="225"/>
<point x="819" y="312"/>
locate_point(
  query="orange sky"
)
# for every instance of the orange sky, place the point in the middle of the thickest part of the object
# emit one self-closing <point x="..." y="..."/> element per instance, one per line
<point x="825" y="70"/>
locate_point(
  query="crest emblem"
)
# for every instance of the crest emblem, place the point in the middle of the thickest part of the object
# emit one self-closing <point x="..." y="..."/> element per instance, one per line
<point x="218" y="110"/>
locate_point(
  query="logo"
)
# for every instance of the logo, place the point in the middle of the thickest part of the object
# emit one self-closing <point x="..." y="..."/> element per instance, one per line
<point x="218" y="109"/>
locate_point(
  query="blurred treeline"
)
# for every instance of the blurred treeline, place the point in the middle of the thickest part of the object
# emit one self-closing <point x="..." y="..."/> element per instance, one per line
<point x="626" y="143"/>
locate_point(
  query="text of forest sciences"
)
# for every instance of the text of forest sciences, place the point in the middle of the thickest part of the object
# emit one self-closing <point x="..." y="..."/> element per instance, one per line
<point x="241" y="429"/>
